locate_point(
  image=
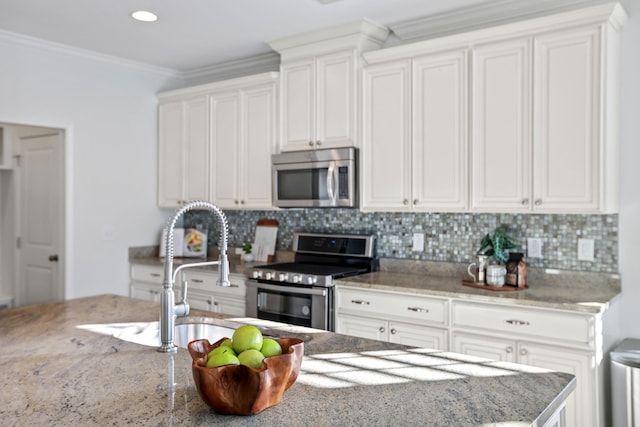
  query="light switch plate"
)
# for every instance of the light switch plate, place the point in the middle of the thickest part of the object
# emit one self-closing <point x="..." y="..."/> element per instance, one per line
<point x="534" y="247"/>
<point x="418" y="242"/>
<point x="585" y="249"/>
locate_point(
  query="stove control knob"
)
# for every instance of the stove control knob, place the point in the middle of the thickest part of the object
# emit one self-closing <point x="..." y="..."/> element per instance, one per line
<point x="282" y="277"/>
<point x="257" y="274"/>
<point x="269" y="275"/>
<point x="297" y="278"/>
<point x="311" y="280"/>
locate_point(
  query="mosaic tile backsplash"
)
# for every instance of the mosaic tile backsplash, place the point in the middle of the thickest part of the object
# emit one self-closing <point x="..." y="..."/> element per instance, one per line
<point x="449" y="237"/>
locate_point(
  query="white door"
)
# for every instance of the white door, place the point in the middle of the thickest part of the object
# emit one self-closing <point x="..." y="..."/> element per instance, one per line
<point x="40" y="213"/>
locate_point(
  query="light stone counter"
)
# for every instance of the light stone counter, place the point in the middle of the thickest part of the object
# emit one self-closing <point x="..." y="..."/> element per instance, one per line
<point x="54" y="373"/>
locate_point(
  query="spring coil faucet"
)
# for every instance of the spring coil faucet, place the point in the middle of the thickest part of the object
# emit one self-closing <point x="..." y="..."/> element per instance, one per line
<point x="169" y="310"/>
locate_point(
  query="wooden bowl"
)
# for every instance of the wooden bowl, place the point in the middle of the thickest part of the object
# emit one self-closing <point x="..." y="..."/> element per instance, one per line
<point x="239" y="389"/>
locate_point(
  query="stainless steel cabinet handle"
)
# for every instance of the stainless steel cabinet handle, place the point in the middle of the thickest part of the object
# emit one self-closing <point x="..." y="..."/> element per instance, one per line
<point x="235" y="201"/>
<point x="405" y="202"/>
<point x="525" y="201"/>
<point x="154" y="274"/>
<point x="197" y="280"/>
<point x="311" y="143"/>
<point x="509" y="349"/>
<point x="393" y="331"/>
<point x="242" y="202"/>
<point x="53" y="258"/>
<point x="359" y="301"/>
<point x="318" y="142"/>
<point x="381" y="329"/>
<point x="415" y="201"/>
<point x="418" y="309"/>
<point x="524" y="351"/>
<point x="517" y="322"/>
<point x="538" y="202"/>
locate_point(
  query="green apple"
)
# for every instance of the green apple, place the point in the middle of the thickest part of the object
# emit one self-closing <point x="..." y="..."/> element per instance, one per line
<point x="221" y="349"/>
<point x="251" y="358"/>
<point x="246" y="337"/>
<point x="227" y="343"/>
<point x="221" y="358"/>
<point x="270" y="347"/>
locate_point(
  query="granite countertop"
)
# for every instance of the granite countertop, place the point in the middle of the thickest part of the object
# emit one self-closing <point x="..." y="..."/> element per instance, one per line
<point x="558" y="290"/>
<point x="55" y="373"/>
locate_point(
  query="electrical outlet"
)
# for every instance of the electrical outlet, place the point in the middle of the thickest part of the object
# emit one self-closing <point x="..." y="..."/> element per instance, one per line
<point x="418" y="242"/>
<point x="534" y="247"/>
<point x="585" y="249"/>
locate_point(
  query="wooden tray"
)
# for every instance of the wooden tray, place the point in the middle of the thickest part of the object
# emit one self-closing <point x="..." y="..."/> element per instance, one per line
<point x="505" y="288"/>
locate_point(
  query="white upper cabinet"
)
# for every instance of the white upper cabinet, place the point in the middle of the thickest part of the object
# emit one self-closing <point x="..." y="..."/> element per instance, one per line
<point x="542" y="120"/>
<point x="385" y="158"/>
<point x="319" y="85"/>
<point x="216" y="142"/>
<point x="243" y="139"/>
<point x="569" y="151"/>
<point x="183" y="172"/>
<point x="501" y="126"/>
<point x="414" y="150"/>
<point x="320" y="102"/>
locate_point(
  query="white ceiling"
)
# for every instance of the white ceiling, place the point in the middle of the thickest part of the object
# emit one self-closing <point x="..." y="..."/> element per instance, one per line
<point x="191" y="34"/>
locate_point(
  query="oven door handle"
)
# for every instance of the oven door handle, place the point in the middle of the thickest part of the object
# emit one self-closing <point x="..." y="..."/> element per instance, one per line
<point x="291" y="289"/>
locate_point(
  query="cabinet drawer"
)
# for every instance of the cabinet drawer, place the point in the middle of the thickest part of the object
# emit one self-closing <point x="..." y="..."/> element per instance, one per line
<point x="392" y="305"/>
<point x="147" y="273"/>
<point x="208" y="281"/>
<point x="522" y="322"/>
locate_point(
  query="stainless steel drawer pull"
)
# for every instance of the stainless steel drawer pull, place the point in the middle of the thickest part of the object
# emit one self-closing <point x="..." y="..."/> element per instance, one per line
<point x="154" y="274"/>
<point x="418" y="309"/>
<point x="517" y="322"/>
<point x="197" y="280"/>
<point x="358" y="301"/>
<point x="234" y="286"/>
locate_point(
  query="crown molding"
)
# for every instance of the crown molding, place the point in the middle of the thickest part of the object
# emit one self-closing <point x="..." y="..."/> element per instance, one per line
<point x="483" y="15"/>
<point x="36" y="43"/>
<point x="262" y="63"/>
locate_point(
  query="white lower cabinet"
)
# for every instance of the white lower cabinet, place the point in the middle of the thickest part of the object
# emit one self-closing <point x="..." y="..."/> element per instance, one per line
<point x="203" y="292"/>
<point x="548" y="339"/>
<point x="146" y="282"/>
<point x="391" y="316"/>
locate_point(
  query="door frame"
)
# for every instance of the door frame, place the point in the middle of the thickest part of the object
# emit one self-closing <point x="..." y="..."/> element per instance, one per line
<point x="65" y="226"/>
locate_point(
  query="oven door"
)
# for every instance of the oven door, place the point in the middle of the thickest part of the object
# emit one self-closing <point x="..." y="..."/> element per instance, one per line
<point x="301" y="306"/>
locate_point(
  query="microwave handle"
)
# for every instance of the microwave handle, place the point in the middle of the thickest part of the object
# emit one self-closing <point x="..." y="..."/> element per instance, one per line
<point x="331" y="181"/>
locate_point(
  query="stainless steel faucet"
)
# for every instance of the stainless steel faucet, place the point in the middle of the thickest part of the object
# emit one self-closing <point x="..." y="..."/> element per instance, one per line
<point x="169" y="310"/>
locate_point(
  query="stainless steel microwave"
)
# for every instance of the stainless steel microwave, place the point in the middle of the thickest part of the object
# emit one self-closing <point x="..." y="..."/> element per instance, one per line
<point x="315" y="178"/>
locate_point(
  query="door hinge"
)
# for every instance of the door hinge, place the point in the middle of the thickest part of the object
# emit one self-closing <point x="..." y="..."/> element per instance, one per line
<point x="18" y="242"/>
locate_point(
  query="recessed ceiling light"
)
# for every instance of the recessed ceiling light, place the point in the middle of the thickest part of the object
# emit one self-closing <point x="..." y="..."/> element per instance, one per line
<point x="144" y="16"/>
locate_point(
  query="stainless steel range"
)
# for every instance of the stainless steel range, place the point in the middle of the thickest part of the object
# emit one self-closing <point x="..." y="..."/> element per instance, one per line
<point x="301" y="292"/>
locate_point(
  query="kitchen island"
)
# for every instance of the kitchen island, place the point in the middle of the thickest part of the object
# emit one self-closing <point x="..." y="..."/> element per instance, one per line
<point x="54" y="372"/>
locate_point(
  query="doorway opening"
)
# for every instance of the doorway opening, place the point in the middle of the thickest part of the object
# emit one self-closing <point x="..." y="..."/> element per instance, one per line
<point x="32" y="214"/>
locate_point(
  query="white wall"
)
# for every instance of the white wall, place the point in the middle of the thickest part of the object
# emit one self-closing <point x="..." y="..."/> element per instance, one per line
<point x="629" y="233"/>
<point x="108" y="110"/>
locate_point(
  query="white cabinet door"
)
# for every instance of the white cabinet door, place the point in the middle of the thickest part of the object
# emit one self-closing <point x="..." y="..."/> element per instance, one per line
<point x="483" y="346"/>
<point x="385" y="182"/>
<point x="170" y="152"/>
<point x="225" y="148"/>
<point x="183" y="152"/>
<point x="231" y="306"/>
<point x="298" y="100"/>
<point x="319" y="108"/>
<point x="363" y="327"/>
<point x="566" y="128"/>
<point x="582" y="407"/>
<point x="418" y="336"/>
<point x="501" y="129"/>
<point x="259" y="136"/>
<point x="439" y="159"/>
<point x="200" y="301"/>
<point x="144" y="291"/>
<point x="243" y="139"/>
<point x="336" y="100"/>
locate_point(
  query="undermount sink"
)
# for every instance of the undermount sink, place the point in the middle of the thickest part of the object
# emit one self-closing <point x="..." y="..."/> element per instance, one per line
<point x="148" y="333"/>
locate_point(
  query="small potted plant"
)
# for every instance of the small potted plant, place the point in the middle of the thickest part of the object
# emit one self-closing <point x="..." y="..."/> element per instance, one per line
<point x="248" y="256"/>
<point x="497" y="245"/>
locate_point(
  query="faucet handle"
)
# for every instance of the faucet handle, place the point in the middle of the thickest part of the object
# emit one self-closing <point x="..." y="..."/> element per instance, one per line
<point x="185" y="286"/>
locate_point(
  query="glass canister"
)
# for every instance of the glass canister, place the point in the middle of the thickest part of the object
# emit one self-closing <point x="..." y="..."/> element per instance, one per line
<point x="496" y="275"/>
